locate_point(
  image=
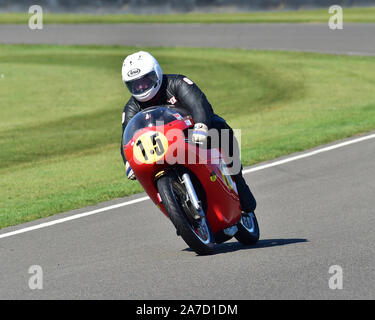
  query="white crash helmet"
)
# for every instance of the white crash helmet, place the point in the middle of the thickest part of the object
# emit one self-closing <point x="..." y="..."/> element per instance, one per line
<point x="142" y="75"/>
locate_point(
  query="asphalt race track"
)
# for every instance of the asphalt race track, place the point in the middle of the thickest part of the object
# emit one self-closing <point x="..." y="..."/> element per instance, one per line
<point x="314" y="212"/>
<point x="353" y="39"/>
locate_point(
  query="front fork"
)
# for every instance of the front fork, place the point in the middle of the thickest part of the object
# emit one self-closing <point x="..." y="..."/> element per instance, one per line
<point x="192" y="203"/>
<point x="196" y="206"/>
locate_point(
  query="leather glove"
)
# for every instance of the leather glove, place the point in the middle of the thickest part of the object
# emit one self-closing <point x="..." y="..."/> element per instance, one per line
<point x="199" y="133"/>
<point x="130" y="172"/>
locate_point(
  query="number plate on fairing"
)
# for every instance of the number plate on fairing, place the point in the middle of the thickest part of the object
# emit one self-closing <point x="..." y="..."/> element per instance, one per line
<point x="150" y="147"/>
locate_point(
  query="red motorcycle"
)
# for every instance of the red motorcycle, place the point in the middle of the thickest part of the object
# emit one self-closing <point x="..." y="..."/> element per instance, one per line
<point x="189" y="184"/>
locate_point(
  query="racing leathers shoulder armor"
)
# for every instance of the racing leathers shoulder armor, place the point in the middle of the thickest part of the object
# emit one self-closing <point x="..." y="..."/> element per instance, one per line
<point x="176" y="90"/>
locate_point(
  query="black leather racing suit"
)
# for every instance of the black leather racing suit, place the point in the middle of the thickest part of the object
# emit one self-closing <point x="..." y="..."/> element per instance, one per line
<point x="181" y="92"/>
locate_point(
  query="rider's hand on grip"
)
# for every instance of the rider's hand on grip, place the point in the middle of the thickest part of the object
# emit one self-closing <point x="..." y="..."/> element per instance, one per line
<point x="199" y="133"/>
<point x="130" y="172"/>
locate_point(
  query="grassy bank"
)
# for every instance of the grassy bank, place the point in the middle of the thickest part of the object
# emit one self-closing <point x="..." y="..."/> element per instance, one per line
<point x="61" y="114"/>
<point x="361" y="15"/>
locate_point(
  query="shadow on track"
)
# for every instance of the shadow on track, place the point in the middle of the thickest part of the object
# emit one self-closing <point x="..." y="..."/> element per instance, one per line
<point x="266" y="243"/>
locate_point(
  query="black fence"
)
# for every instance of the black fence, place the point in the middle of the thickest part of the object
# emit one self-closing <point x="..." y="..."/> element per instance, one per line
<point x="138" y="6"/>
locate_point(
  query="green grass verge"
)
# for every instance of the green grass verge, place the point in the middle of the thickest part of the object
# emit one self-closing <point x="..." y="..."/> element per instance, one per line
<point x="295" y="16"/>
<point x="61" y="110"/>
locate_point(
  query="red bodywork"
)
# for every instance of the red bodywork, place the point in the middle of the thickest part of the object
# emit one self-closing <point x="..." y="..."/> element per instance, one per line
<point x="223" y="205"/>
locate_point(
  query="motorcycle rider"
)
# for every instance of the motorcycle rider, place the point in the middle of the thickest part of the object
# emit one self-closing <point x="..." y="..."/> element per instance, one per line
<point x="148" y="85"/>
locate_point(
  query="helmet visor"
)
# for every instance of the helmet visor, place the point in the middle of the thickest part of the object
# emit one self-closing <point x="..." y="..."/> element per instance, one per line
<point x="143" y="84"/>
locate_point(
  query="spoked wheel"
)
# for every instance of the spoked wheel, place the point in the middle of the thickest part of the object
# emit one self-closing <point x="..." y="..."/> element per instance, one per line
<point x="196" y="232"/>
<point x="248" y="229"/>
<point x="202" y="231"/>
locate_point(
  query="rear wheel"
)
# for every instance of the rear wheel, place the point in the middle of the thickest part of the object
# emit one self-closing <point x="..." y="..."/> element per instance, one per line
<point x="248" y="229"/>
<point x="196" y="232"/>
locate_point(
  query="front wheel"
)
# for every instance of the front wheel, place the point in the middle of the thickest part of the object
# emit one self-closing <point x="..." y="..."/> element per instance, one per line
<point x="248" y="229"/>
<point x="196" y="232"/>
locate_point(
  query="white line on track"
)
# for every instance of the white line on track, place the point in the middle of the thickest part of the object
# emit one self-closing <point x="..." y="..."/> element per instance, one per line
<point x="309" y="154"/>
<point x="127" y="203"/>
<point x="73" y="217"/>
